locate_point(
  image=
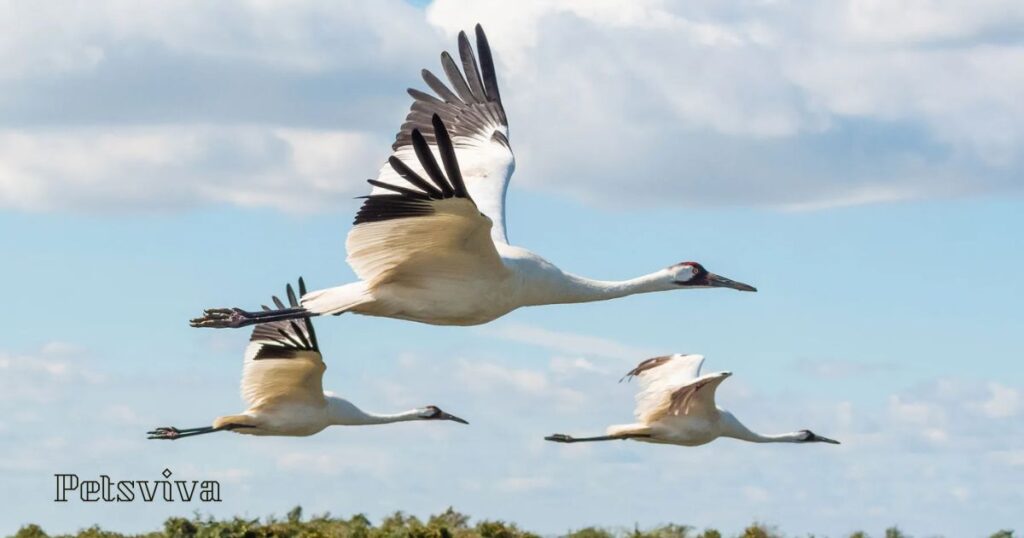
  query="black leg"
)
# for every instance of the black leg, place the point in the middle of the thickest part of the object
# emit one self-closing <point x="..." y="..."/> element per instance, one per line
<point x="563" y="438"/>
<point x="220" y="318"/>
<point x="170" y="433"/>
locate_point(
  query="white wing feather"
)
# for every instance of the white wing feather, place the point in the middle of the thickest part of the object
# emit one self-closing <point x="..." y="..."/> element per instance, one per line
<point x="453" y="242"/>
<point x="486" y="166"/>
<point x="470" y="105"/>
<point x="282" y="361"/>
<point x="295" y="376"/>
<point x="659" y="378"/>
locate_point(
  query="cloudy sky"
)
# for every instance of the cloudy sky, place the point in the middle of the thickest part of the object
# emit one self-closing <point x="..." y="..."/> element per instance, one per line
<point x="860" y="161"/>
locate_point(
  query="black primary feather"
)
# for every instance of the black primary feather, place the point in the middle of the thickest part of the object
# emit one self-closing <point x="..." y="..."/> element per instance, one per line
<point x="451" y="162"/>
<point x="426" y="158"/>
<point x="451" y="70"/>
<point x="404" y="202"/>
<point x="285" y="338"/>
<point x="471" y="107"/>
<point x="412" y="177"/>
<point x="470" y="68"/>
<point x="483" y="48"/>
<point x="309" y="321"/>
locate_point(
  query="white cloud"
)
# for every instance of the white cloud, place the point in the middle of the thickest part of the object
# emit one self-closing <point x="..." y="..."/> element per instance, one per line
<point x="43" y="377"/>
<point x="798" y="105"/>
<point x="484" y="376"/>
<point x="566" y="342"/>
<point x="491" y="378"/>
<point x="572" y="365"/>
<point x="1003" y="401"/>
<point x="61" y="37"/>
<point x="138" y="169"/>
<point x="794" y="105"/>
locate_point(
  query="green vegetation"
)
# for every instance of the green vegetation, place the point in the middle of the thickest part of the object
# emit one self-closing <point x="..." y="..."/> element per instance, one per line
<point x="449" y="524"/>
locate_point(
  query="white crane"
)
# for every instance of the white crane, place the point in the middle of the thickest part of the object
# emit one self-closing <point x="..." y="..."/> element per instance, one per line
<point x="282" y="383"/>
<point x="435" y="250"/>
<point x="676" y="405"/>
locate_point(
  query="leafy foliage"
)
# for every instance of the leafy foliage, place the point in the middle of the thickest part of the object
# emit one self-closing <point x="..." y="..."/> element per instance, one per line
<point x="448" y="524"/>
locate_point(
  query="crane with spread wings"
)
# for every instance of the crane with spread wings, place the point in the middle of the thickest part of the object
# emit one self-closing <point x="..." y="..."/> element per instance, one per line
<point x="430" y="242"/>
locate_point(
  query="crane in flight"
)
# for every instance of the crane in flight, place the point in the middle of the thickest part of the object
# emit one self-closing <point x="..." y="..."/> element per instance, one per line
<point x="282" y="377"/>
<point x="429" y="243"/>
<point x="676" y="406"/>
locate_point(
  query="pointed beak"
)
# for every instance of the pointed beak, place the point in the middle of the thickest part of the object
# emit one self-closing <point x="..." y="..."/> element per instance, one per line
<point x="446" y="416"/>
<point x="821" y="439"/>
<point x="717" y="281"/>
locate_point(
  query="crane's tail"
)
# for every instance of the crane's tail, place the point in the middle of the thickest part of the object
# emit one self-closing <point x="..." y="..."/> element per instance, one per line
<point x="336" y="300"/>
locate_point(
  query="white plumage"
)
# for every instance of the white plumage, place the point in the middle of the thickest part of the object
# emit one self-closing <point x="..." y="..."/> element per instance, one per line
<point x="282" y="385"/>
<point x="430" y="242"/>
<point x="676" y="405"/>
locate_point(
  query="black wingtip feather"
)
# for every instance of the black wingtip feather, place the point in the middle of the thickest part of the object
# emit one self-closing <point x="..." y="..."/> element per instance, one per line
<point x="398" y="189"/>
<point x="426" y="158"/>
<point x="458" y="82"/>
<point x="451" y="162"/>
<point x="309" y="321"/>
<point x="299" y="334"/>
<point x="283" y="338"/>
<point x="439" y="88"/>
<point x="291" y="295"/>
<point x="412" y="177"/>
<point x="471" y="106"/>
<point x="490" y="79"/>
<point x="470" y="69"/>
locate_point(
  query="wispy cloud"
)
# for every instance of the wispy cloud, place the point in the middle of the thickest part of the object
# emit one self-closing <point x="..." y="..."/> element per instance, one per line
<point x="840" y="369"/>
<point x="569" y="343"/>
<point x="1003" y="401"/>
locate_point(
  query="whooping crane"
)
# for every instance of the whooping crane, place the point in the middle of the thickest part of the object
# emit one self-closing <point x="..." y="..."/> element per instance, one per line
<point x="676" y="405"/>
<point x="282" y="383"/>
<point x="436" y="251"/>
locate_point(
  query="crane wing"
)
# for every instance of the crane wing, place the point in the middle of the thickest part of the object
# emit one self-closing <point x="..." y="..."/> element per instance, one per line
<point x="283" y="361"/>
<point x="659" y="379"/>
<point x="477" y="124"/>
<point x="696" y="398"/>
<point x="422" y="229"/>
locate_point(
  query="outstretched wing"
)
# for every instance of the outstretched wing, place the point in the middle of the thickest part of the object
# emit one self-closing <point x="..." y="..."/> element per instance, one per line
<point x="667" y="384"/>
<point x="476" y="121"/>
<point x="422" y="230"/>
<point x="283" y="361"/>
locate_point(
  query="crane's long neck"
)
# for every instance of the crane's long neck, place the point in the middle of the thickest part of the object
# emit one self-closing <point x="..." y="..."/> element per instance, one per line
<point x="732" y="427"/>
<point x="577" y="289"/>
<point x="344" y="413"/>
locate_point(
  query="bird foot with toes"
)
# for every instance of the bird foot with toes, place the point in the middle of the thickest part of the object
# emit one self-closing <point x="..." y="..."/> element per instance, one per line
<point x="222" y="318"/>
<point x="168" y="433"/>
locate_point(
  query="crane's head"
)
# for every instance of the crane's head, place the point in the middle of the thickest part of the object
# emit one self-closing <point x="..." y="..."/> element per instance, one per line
<point x="433" y="412"/>
<point x="694" y="275"/>
<point x="807" y="436"/>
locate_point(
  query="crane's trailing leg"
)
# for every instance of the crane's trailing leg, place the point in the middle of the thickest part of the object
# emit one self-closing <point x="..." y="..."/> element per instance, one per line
<point x="328" y="301"/>
<point x="563" y="438"/>
<point x="222" y="318"/>
<point x="170" y="433"/>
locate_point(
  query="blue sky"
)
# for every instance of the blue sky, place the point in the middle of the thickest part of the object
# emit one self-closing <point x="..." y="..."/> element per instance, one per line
<point x="860" y="164"/>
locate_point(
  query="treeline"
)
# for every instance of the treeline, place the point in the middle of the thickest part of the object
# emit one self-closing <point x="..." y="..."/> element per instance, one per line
<point x="450" y="524"/>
